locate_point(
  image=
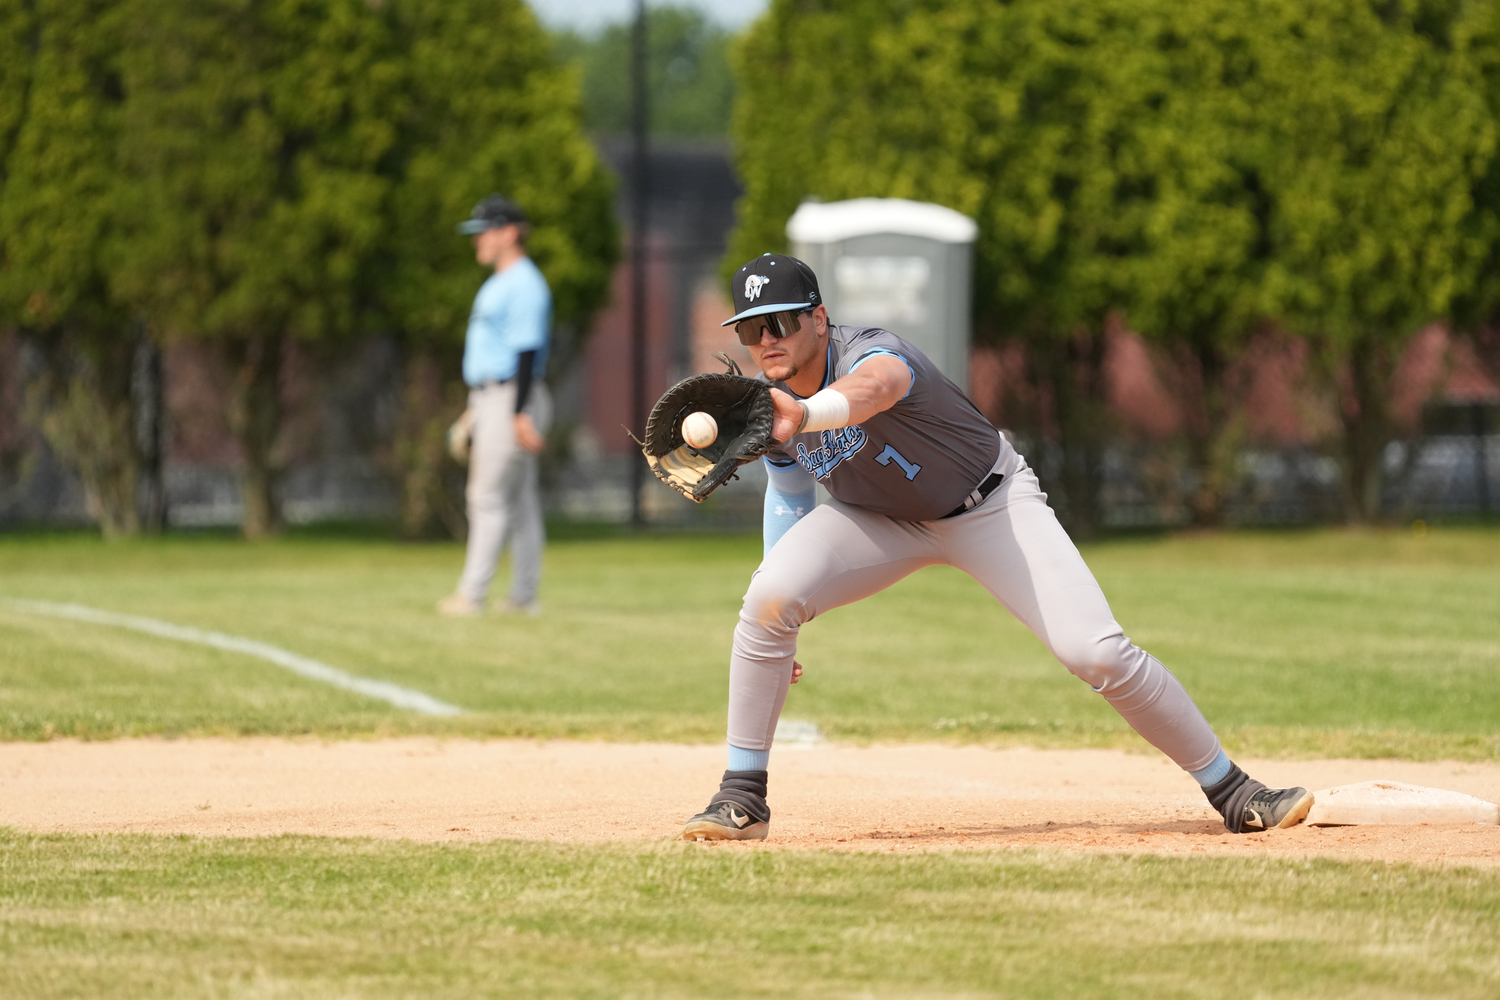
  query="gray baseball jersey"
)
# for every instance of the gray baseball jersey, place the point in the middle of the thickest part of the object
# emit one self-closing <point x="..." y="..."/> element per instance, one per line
<point x="916" y="461"/>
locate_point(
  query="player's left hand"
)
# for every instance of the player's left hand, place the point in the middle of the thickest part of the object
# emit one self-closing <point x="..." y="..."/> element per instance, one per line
<point x="796" y="671"/>
<point x="527" y="436"/>
<point x="745" y="413"/>
<point x="787" y="414"/>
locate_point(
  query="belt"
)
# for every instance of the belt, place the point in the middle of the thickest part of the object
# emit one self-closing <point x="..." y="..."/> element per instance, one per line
<point x="974" y="499"/>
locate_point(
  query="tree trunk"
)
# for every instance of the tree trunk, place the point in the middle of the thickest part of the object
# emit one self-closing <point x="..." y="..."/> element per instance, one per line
<point x="1364" y="410"/>
<point x="1212" y="426"/>
<point x="255" y="419"/>
<point x="1072" y="369"/>
<point x="83" y="404"/>
<point x="431" y="400"/>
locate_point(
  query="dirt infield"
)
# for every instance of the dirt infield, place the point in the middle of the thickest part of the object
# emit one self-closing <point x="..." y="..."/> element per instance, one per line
<point x="884" y="798"/>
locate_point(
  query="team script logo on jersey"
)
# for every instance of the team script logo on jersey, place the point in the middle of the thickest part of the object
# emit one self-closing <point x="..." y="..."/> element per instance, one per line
<point x="837" y="445"/>
<point x="753" y="285"/>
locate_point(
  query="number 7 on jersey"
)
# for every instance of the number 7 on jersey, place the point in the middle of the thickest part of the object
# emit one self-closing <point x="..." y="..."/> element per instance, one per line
<point x="892" y="455"/>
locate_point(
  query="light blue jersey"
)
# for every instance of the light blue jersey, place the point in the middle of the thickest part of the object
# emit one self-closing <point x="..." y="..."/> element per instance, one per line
<point x="512" y="314"/>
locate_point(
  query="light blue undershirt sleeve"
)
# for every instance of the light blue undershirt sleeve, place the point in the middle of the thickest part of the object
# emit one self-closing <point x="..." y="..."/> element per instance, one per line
<point x="791" y="494"/>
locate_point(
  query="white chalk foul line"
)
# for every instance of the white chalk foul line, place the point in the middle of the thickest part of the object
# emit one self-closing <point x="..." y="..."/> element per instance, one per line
<point x="385" y="691"/>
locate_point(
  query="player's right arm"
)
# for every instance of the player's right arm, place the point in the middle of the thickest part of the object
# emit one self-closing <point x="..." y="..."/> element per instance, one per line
<point x="791" y="494"/>
<point x="878" y="383"/>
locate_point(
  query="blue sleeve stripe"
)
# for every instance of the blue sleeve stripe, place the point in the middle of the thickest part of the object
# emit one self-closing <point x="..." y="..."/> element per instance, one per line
<point x="780" y="465"/>
<point x="881" y="350"/>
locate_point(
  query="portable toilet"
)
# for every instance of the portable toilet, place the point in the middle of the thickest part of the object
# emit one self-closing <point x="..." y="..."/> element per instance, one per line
<point x="897" y="264"/>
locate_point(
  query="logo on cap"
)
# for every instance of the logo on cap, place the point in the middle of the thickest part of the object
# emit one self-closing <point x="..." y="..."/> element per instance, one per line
<point x="753" y="285"/>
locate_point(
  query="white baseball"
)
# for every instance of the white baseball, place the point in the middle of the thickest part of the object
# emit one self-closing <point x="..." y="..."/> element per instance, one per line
<point x="699" y="429"/>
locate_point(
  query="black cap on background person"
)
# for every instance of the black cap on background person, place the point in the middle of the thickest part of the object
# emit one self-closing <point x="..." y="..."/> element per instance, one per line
<point x="494" y="212"/>
<point x="770" y="283"/>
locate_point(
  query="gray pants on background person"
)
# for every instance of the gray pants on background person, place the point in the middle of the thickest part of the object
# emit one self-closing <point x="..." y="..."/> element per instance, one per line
<point x="504" y="503"/>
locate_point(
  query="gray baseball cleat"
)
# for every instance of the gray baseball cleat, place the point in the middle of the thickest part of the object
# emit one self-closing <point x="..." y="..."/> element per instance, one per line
<point x="1276" y="808"/>
<point x="1249" y="806"/>
<point x="725" y="821"/>
<point x="738" y="810"/>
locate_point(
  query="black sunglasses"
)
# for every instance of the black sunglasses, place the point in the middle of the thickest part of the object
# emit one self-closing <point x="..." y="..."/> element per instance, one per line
<point x="781" y="324"/>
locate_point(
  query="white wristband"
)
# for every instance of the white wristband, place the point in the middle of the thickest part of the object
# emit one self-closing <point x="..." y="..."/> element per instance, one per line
<point x="824" y="411"/>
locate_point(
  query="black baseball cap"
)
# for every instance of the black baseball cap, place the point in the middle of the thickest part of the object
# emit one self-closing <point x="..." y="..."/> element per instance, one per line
<point x="494" y="212"/>
<point x="770" y="283"/>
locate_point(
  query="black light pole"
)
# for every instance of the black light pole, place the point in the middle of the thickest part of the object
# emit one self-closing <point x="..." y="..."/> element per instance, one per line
<point x="639" y="159"/>
<point x="1481" y="458"/>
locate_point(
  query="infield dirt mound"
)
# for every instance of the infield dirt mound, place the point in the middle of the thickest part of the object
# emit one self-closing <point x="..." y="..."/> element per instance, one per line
<point x="883" y="798"/>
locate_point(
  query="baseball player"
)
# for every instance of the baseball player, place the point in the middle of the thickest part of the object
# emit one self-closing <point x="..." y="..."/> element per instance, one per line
<point x="505" y="355"/>
<point x="918" y="477"/>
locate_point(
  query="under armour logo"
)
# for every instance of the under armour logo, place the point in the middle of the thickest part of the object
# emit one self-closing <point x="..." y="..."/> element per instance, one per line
<point x="737" y="819"/>
<point x="782" y="511"/>
<point x="753" y="285"/>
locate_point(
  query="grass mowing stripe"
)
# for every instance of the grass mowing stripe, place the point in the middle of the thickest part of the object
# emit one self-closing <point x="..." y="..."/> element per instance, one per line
<point x="385" y="691"/>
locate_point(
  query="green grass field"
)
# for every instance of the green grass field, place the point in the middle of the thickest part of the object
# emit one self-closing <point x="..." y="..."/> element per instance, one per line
<point x="294" y="917"/>
<point x="1325" y="642"/>
<point x="1303" y="643"/>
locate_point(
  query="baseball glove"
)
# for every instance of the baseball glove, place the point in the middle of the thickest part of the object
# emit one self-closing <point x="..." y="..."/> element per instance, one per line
<point x="461" y="437"/>
<point x="740" y="406"/>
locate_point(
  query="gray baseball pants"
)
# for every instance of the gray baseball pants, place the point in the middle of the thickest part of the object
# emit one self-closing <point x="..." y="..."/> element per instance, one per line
<point x="502" y="494"/>
<point x="1012" y="544"/>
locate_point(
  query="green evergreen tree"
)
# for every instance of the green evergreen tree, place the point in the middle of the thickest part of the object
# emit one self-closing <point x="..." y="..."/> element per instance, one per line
<point x="17" y="36"/>
<point x="1199" y="291"/>
<point x="15" y="81"/>
<point x="1476" y="307"/>
<point x="259" y="128"/>
<point x="1375" y="132"/>
<point x="1049" y="123"/>
<point x="1197" y="169"/>
<point x="62" y="220"/>
<point x="1086" y="173"/>
<point x="487" y="109"/>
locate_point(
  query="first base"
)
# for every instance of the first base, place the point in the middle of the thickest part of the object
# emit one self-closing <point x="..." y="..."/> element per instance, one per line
<point x="1382" y="802"/>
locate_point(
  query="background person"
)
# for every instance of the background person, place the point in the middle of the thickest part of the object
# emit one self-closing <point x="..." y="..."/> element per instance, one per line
<point x="505" y="355"/>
